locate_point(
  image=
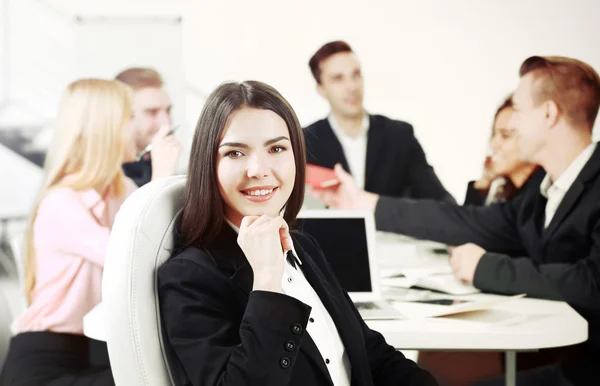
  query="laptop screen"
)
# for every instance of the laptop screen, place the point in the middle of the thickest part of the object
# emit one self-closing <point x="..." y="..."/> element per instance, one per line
<point x="344" y="243"/>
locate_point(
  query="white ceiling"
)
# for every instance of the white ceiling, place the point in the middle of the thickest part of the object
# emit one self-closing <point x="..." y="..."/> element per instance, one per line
<point x="120" y="7"/>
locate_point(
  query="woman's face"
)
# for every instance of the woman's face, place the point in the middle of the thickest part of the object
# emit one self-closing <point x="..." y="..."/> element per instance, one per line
<point x="255" y="164"/>
<point x="505" y="155"/>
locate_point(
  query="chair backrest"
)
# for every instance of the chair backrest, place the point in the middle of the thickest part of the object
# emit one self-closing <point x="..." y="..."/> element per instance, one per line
<point x="142" y="239"/>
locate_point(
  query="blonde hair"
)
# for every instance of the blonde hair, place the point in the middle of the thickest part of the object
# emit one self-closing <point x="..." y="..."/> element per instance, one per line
<point x="89" y="144"/>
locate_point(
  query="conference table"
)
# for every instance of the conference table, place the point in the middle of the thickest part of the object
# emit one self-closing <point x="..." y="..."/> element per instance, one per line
<point x="517" y="325"/>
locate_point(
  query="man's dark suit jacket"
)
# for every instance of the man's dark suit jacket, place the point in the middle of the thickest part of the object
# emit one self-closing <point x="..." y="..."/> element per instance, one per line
<point x="396" y="165"/>
<point x="561" y="262"/>
<point x="223" y="333"/>
<point x="139" y="171"/>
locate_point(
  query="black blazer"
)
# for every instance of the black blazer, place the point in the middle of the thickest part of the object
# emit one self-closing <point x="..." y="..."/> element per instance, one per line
<point x="475" y="196"/>
<point x="395" y="163"/>
<point x="139" y="171"/>
<point x="223" y="333"/>
<point x="561" y="262"/>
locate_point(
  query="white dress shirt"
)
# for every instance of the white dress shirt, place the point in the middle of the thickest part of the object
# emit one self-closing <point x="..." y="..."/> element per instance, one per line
<point x="321" y="327"/>
<point x="555" y="191"/>
<point x="355" y="148"/>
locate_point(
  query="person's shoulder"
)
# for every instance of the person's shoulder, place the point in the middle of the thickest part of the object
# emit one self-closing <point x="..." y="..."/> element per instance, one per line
<point x="64" y="197"/>
<point x="315" y="126"/>
<point x="59" y="193"/>
<point x="191" y="256"/>
<point x="394" y="126"/>
<point x="188" y="264"/>
<point x="533" y="183"/>
<point x="57" y="202"/>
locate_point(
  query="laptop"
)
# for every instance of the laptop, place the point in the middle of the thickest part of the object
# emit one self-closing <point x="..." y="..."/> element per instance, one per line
<point x="347" y="239"/>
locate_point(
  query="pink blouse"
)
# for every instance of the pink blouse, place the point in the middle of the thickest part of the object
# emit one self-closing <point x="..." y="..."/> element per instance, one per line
<point x="71" y="234"/>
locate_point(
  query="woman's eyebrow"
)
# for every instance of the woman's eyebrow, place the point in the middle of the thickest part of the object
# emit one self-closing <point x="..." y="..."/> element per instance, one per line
<point x="233" y="144"/>
<point x="275" y="140"/>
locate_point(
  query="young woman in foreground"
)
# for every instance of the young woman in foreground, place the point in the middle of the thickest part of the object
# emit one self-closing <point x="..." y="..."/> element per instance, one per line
<point x="247" y="301"/>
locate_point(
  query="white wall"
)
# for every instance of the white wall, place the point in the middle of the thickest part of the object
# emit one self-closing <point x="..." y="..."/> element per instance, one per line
<point x="442" y="65"/>
<point x="107" y="45"/>
<point x="38" y="59"/>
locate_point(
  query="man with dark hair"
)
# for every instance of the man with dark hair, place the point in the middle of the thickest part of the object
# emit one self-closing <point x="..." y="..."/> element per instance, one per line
<point x="546" y="242"/>
<point x="153" y="131"/>
<point x="383" y="155"/>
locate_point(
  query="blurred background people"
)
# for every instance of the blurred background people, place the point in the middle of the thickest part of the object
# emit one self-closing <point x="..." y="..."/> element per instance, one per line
<point x="383" y="155"/>
<point x="67" y="237"/>
<point x="155" y="154"/>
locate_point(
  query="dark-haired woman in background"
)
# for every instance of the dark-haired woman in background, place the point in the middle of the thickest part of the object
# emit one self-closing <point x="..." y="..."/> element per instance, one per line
<point x="504" y="174"/>
<point x="247" y="301"/>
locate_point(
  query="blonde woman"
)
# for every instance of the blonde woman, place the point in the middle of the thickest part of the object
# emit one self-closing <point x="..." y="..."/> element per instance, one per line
<point x="83" y="189"/>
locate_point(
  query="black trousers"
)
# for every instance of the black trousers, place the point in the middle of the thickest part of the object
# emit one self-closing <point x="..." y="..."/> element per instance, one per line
<point x="53" y="359"/>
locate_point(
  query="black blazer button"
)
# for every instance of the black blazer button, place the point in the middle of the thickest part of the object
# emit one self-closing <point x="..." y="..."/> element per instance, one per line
<point x="290" y="345"/>
<point x="285" y="362"/>
<point x="297" y="328"/>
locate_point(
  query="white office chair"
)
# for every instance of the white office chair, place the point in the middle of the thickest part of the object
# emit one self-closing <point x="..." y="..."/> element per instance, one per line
<point x="141" y="240"/>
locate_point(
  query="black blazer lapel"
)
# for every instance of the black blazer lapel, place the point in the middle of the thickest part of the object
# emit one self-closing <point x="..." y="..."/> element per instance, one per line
<point x="375" y="141"/>
<point x="565" y="207"/>
<point x="334" y="301"/>
<point x="230" y="257"/>
<point x="309" y="348"/>
<point x="589" y="171"/>
<point x="327" y="148"/>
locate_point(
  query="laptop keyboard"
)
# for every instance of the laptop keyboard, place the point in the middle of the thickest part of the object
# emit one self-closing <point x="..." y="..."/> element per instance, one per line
<point x="366" y="306"/>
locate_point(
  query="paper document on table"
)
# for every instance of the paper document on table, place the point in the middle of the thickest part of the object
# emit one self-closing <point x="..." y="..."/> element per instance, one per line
<point x="427" y="271"/>
<point x="446" y="283"/>
<point x="429" y="309"/>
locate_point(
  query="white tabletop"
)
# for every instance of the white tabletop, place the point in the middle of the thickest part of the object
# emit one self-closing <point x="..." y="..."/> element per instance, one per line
<point x="519" y="325"/>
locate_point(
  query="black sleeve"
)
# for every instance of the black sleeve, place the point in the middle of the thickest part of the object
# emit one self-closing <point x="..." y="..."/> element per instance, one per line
<point x="576" y="283"/>
<point x="389" y="367"/>
<point x="209" y="340"/>
<point x="491" y="227"/>
<point x="424" y="183"/>
<point x="474" y="196"/>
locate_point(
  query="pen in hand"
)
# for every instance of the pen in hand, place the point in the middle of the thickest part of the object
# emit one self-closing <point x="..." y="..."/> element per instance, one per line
<point x="148" y="148"/>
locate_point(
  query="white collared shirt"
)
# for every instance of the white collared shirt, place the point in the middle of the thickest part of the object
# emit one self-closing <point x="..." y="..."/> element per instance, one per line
<point x="555" y="192"/>
<point x="321" y="327"/>
<point x="355" y="148"/>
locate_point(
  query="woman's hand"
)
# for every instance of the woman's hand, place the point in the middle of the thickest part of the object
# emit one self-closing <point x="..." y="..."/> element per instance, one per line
<point x="487" y="177"/>
<point x="264" y="240"/>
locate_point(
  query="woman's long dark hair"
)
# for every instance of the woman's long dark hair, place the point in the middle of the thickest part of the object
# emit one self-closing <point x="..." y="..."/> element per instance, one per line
<point x="204" y="210"/>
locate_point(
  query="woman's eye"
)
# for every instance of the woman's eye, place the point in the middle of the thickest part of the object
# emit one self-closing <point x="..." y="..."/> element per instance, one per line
<point x="277" y="149"/>
<point x="234" y="154"/>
